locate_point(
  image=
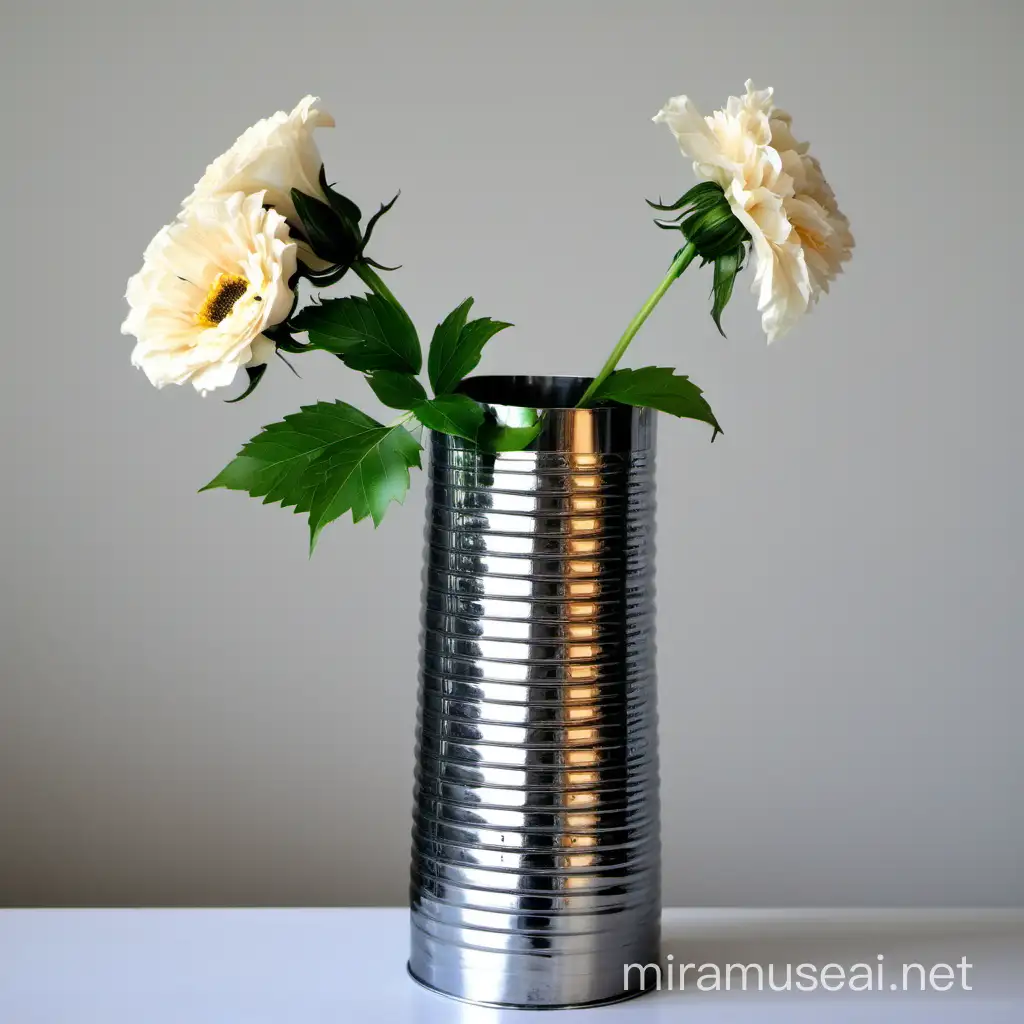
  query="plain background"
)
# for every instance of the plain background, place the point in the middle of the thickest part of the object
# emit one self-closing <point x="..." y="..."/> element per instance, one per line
<point x="191" y="712"/>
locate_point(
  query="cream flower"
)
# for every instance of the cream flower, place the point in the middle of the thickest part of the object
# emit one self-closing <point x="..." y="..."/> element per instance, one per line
<point x="776" y="190"/>
<point x="210" y="284"/>
<point x="275" y="155"/>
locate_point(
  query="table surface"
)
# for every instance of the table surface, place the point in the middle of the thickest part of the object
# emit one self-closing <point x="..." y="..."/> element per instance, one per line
<point x="309" y="966"/>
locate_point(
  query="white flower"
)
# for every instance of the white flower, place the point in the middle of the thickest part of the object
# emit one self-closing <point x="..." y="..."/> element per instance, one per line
<point x="275" y="155"/>
<point x="776" y="189"/>
<point x="210" y="284"/>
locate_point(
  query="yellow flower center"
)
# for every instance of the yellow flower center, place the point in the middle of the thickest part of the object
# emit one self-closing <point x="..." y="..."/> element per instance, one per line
<point x="225" y="291"/>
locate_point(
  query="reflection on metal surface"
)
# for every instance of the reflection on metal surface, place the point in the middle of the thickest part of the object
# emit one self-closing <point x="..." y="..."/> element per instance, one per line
<point x="536" y="851"/>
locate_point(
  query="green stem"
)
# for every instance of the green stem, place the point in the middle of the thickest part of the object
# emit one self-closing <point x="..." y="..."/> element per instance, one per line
<point x="372" y="281"/>
<point x="681" y="262"/>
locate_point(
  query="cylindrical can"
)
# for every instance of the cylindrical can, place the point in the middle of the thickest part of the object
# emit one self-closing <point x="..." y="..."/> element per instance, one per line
<point x="536" y="832"/>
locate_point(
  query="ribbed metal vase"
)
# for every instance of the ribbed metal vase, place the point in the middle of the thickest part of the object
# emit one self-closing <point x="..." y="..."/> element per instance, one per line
<point x="536" y="843"/>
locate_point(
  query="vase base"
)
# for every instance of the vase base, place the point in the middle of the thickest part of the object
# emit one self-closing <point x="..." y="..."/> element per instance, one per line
<point x="624" y="997"/>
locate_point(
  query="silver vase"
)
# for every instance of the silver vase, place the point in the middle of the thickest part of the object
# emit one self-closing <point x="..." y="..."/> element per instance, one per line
<point x="536" y="841"/>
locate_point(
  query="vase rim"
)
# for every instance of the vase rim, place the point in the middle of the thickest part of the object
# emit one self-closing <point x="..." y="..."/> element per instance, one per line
<point x="526" y="391"/>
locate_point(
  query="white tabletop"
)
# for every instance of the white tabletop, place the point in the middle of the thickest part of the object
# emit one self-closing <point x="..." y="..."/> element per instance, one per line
<point x="348" y="965"/>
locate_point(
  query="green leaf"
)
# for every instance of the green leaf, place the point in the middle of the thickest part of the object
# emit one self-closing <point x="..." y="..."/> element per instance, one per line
<point x="327" y="459"/>
<point x="452" y="414"/>
<point x="456" y="347"/>
<point x="444" y="344"/>
<point x="517" y="428"/>
<point x="397" y="390"/>
<point x="330" y="235"/>
<point x="495" y="437"/>
<point x="727" y="266"/>
<point x="657" y="387"/>
<point x="367" y="333"/>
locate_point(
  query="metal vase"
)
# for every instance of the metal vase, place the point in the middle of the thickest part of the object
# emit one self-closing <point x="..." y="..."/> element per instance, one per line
<point x="536" y="834"/>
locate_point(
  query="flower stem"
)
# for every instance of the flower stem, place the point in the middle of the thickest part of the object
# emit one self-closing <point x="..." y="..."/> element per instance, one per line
<point x="372" y="281"/>
<point x="681" y="262"/>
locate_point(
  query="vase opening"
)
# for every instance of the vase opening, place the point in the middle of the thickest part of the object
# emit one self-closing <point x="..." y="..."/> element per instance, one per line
<point x="526" y="391"/>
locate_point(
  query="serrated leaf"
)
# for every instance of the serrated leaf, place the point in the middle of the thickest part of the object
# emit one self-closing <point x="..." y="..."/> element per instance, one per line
<point x="727" y="266"/>
<point x="397" y="390"/>
<point x="452" y="414"/>
<point x="456" y="347"/>
<point x="445" y="342"/>
<point x="367" y="333"/>
<point x="327" y="459"/>
<point x="658" y="387"/>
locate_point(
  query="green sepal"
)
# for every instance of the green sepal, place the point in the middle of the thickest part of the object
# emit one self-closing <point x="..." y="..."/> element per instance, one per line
<point x="378" y="266"/>
<point x="706" y="219"/>
<point x="324" y="279"/>
<point x="715" y="232"/>
<point x="658" y="387"/>
<point x="397" y="390"/>
<point x="325" y="460"/>
<point x="372" y="223"/>
<point x="456" y="347"/>
<point x="255" y="374"/>
<point x="727" y="266"/>
<point x="282" y="338"/>
<point x="342" y="205"/>
<point x="703" y="192"/>
<point x="367" y="333"/>
<point x="331" y="235"/>
<point x="458" y="415"/>
<point x="701" y="199"/>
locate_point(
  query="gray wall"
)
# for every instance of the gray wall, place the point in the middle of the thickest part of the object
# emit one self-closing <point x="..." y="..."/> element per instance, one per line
<point x="191" y="712"/>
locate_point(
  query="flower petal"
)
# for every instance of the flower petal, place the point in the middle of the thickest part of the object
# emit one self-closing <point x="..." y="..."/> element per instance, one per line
<point x="275" y="155"/>
<point x="213" y="241"/>
<point x="687" y="124"/>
